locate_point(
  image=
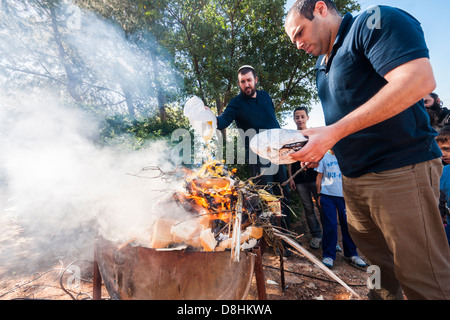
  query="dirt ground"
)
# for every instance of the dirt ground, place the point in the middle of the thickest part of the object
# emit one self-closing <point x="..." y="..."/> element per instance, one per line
<point x="303" y="281"/>
<point x="306" y="281"/>
<point x="53" y="277"/>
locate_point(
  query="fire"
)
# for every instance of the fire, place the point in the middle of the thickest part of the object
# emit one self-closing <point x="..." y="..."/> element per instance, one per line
<point x="226" y="213"/>
<point x="214" y="190"/>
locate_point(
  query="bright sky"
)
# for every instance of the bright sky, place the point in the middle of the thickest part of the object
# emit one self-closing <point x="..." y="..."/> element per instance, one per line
<point x="435" y="22"/>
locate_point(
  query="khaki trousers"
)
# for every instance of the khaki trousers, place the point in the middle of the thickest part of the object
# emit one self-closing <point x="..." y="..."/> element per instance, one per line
<point x="394" y="220"/>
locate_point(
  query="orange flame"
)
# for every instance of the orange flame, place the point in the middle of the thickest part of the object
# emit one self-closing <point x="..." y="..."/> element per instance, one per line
<point x="211" y="189"/>
<point x="216" y="200"/>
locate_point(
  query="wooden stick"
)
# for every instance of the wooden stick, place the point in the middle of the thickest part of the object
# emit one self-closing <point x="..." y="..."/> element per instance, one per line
<point x="294" y="175"/>
<point x="259" y="274"/>
<point x="128" y="242"/>
<point x="236" y="242"/>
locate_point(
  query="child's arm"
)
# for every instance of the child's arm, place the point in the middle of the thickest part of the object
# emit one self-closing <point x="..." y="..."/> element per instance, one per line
<point x="319" y="182"/>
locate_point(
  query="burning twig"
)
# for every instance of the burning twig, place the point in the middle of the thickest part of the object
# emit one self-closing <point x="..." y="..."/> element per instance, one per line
<point x="161" y="174"/>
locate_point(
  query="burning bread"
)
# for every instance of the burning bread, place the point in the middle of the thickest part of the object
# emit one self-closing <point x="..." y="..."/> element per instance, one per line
<point x="161" y="236"/>
<point x="251" y="233"/>
<point x="207" y="240"/>
<point x="195" y="242"/>
<point x="194" y="233"/>
<point x="205" y="222"/>
<point x="225" y="244"/>
<point x="211" y="183"/>
<point x="186" y="230"/>
<point x="254" y="232"/>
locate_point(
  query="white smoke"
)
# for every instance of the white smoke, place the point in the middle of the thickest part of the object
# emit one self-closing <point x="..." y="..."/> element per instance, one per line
<point x="63" y="189"/>
<point x="58" y="189"/>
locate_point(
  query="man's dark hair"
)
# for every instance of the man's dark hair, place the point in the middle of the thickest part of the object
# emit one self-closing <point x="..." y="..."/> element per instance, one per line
<point x="434" y="95"/>
<point x="436" y="104"/>
<point x="306" y="7"/>
<point x="301" y="108"/>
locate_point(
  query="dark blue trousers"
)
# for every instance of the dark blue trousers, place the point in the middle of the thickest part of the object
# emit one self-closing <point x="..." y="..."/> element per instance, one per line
<point x="334" y="207"/>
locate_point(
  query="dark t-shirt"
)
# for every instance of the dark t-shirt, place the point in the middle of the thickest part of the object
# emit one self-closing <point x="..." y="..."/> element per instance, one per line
<point x="249" y="113"/>
<point x="307" y="176"/>
<point x="362" y="55"/>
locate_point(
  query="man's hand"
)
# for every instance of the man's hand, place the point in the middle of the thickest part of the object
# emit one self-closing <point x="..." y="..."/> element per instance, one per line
<point x="320" y="140"/>
<point x="292" y="185"/>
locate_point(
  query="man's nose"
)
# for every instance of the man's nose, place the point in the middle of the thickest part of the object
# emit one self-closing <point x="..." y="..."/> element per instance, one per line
<point x="300" y="45"/>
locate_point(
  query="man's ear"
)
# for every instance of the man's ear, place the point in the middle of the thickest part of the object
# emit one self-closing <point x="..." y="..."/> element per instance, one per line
<point x="321" y="8"/>
<point x="256" y="80"/>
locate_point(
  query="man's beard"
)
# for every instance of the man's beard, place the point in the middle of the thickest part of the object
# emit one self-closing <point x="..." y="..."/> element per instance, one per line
<point x="253" y="90"/>
<point x="434" y="112"/>
<point x="435" y="107"/>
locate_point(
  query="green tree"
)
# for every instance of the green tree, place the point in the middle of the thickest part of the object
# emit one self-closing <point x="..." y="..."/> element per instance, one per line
<point x="209" y="39"/>
<point x="90" y="63"/>
<point x="144" y="26"/>
<point x="212" y="38"/>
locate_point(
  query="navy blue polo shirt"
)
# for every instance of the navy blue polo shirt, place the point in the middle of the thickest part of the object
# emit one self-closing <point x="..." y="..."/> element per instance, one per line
<point x="362" y="55"/>
<point x="249" y="113"/>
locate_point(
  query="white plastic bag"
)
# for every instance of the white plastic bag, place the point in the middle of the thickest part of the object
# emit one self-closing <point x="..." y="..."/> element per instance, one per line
<point x="201" y="118"/>
<point x="276" y="145"/>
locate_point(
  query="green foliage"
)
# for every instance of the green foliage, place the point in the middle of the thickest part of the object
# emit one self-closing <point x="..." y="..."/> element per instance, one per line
<point x="137" y="133"/>
<point x="213" y="38"/>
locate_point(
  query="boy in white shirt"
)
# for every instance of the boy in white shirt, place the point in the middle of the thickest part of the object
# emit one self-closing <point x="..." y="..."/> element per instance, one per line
<point x="329" y="187"/>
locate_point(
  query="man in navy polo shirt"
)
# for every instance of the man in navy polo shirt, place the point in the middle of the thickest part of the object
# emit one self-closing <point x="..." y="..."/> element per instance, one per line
<point x="371" y="74"/>
<point x="253" y="111"/>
